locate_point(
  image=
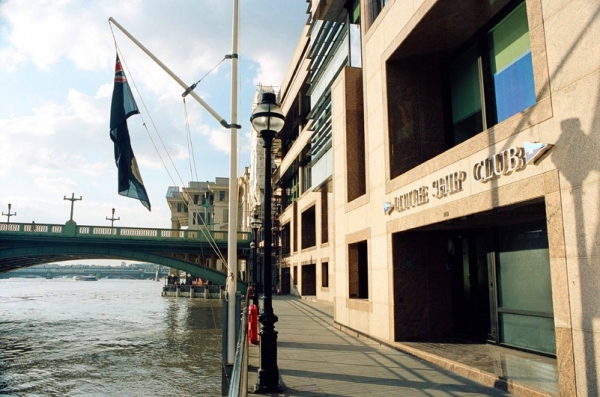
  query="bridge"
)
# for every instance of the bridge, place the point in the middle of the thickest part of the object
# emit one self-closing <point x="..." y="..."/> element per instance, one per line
<point x="67" y="271"/>
<point x="192" y="251"/>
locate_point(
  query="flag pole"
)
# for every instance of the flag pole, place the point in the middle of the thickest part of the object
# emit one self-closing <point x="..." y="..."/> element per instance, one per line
<point x="233" y="196"/>
<point x="205" y="105"/>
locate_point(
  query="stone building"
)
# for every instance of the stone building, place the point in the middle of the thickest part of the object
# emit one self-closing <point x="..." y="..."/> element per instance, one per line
<point x="439" y="174"/>
<point x="204" y="206"/>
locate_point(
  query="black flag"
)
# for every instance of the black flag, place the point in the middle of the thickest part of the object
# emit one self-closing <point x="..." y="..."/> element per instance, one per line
<point x="123" y="106"/>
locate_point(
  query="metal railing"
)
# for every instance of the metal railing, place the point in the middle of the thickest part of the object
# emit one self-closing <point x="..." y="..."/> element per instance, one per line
<point x="128" y="232"/>
<point x="239" y="376"/>
<point x="235" y="378"/>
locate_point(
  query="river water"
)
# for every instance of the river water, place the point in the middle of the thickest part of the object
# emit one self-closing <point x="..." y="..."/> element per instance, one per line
<point x="63" y="337"/>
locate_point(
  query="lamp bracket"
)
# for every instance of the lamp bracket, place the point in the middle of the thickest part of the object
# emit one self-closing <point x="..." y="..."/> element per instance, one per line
<point x="230" y="126"/>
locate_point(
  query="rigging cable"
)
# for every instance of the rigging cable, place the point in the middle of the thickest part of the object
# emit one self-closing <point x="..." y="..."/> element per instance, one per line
<point x="209" y="237"/>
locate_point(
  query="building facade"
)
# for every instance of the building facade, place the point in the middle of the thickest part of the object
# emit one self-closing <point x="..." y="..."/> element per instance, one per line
<point x="439" y="175"/>
<point x="204" y="206"/>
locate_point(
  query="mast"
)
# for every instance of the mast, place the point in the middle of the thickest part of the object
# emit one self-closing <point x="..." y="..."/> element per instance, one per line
<point x="233" y="196"/>
<point x="233" y="189"/>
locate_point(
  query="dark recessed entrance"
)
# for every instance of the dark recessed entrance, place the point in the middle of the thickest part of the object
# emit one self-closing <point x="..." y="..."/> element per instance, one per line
<point x="309" y="280"/>
<point x="485" y="277"/>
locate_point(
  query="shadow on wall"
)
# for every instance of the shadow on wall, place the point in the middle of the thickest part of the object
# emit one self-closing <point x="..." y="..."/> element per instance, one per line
<point x="576" y="156"/>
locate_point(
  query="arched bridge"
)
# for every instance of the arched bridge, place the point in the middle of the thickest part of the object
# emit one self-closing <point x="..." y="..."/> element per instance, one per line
<point x="191" y="251"/>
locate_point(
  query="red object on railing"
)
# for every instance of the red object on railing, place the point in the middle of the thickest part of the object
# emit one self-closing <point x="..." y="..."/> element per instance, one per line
<point x="253" y="324"/>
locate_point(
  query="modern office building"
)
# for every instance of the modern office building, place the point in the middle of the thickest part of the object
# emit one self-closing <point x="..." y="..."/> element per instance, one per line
<point x="439" y="174"/>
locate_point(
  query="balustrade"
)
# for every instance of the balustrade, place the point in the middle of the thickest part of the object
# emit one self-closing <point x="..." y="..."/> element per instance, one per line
<point x="89" y="231"/>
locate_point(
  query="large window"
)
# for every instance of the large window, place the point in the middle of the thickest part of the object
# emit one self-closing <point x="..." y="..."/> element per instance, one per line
<point x="493" y="78"/>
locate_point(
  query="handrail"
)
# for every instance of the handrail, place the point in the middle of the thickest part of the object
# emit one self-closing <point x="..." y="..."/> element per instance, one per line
<point x="238" y="386"/>
<point x="112" y="232"/>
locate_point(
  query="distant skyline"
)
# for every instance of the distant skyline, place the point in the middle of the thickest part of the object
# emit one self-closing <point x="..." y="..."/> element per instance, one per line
<point x="56" y="71"/>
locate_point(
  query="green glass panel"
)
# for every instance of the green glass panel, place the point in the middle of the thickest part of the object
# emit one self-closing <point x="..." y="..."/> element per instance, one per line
<point x="464" y="86"/>
<point x="528" y="332"/>
<point x="355" y="13"/>
<point x="509" y="40"/>
<point x="523" y="269"/>
<point x="524" y="280"/>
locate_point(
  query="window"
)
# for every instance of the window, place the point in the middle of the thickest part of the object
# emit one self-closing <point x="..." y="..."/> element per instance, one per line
<point x="492" y="79"/>
<point x="179" y="206"/>
<point x="325" y="274"/>
<point x="195" y="199"/>
<point x="225" y="216"/>
<point x="324" y="216"/>
<point x="308" y="228"/>
<point x="295" y="276"/>
<point x="354" y="34"/>
<point x="285" y="239"/>
<point x="222" y="196"/>
<point x="290" y="190"/>
<point x="204" y="219"/>
<point x="306" y="177"/>
<point x="358" y="271"/>
<point x="207" y="199"/>
<point x="374" y="8"/>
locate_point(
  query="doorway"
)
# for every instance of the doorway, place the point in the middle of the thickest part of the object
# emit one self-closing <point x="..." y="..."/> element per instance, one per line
<point x="471" y="288"/>
<point x="499" y="274"/>
<point x="309" y="280"/>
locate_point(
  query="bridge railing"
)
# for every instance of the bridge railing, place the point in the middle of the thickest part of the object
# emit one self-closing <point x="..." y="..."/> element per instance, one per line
<point x="128" y="232"/>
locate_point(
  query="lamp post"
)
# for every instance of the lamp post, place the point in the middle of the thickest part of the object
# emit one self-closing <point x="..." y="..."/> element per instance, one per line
<point x="9" y="214"/>
<point x="113" y="219"/>
<point x="255" y="224"/>
<point x="267" y="119"/>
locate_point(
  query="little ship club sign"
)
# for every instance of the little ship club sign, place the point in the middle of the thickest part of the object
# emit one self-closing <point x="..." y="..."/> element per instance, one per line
<point x="499" y="164"/>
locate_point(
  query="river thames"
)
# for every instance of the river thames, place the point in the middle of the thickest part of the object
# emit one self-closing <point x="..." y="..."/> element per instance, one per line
<point x="110" y="337"/>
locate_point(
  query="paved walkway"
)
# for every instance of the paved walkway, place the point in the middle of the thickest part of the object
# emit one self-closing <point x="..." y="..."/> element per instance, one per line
<point x="316" y="359"/>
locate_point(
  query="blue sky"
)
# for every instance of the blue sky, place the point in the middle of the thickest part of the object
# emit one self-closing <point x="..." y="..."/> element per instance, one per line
<point x="57" y="63"/>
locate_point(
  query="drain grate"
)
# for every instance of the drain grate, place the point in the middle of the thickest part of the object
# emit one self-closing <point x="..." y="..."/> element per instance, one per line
<point x="312" y="387"/>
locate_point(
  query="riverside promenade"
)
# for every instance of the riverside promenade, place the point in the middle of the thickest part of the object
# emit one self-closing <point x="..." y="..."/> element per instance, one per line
<point x="316" y="359"/>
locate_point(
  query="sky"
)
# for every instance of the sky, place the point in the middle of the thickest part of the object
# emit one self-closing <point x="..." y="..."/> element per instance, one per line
<point x="57" y="62"/>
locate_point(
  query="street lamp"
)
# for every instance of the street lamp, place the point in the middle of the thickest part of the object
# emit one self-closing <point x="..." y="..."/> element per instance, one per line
<point x="9" y="214"/>
<point x="255" y="224"/>
<point x="267" y="119"/>
<point x="112" y="219"/>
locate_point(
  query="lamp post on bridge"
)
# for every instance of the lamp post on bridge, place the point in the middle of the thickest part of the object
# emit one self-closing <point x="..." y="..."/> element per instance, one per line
<point x="267" y="119"/>
<point x="113" y="219"/>
<point x="8" y="215"/>
<point x="72" y="200"/>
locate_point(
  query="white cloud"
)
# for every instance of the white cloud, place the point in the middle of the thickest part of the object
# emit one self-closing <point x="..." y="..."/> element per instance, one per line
<point x="57" y="185"/>
<point x="57" y="58"/>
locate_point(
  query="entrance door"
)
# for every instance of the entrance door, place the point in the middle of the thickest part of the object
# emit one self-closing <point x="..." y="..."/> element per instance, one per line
<point x="309" y="280"/>
<point x="469" y="252"/>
